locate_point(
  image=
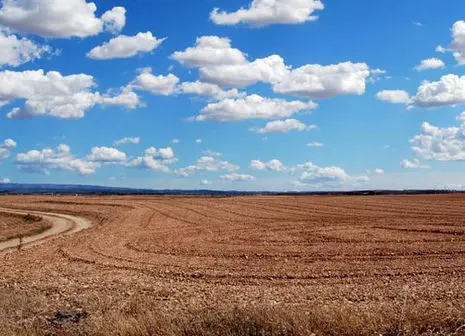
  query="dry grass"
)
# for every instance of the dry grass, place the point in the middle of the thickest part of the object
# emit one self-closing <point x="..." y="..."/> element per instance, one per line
<point x="13" y="226"/>
<point x="143" y="319"/>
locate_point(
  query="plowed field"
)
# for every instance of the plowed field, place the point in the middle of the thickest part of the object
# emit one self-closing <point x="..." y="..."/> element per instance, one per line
<point x="192" y="252"/>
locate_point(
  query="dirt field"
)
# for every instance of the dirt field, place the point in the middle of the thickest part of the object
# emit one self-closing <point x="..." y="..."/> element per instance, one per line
<point x="13" y="225"/>
<point x="392" y="265"/>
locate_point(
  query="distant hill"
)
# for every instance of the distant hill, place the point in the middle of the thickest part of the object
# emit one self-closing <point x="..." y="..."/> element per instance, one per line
<point x="72" y="189"/>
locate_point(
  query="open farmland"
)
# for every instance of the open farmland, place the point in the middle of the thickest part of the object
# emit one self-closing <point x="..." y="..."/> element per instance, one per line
<point x="392" y="265"/>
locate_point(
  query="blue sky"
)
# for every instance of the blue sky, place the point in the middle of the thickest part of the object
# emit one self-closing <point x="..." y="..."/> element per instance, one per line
<point x="256" y="95"/>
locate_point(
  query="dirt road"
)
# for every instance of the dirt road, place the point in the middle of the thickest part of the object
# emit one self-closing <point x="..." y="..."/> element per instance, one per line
<point x="61" y="225"/>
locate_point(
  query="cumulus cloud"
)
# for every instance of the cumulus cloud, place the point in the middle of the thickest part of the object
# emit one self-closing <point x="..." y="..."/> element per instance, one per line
<point x="312" y="175"/>
<point x="157" y="160"/>
<point x="318" y="177"/>
<point x="315" y="144"/>
<point x="207" y="164"/>
<point x="56" y="95"/>
<point x="457" y="46"/>
<point x="252" y="107"/>
<point x="17" y="51"/>
<point x="413" y="164"/>
<point x="449" y="90"/>
<point x="114" y="20"/>
<point x="4" y="180"/>
<point x="127" y="140"/>
<point x="208" y="89"/>
<point x="175" y="141"/>
<point x="271" y="69"/>
<point x="5" y="148"/>
<point x="210" y="51"/>
<point x="394" y="96"/>
<point x="441" y="144"/>
<point x="61" y="158"/>
<point x="106" y="155"/>
<point x="58" y="18"/>
<point x="267" y="12"/>
<point x="221" y="64"/>
<point x="156" y="84"/>
<point x="124" y="46"/>
<point x="273" y="165"/>
<point x="317" y="81"/>
<point x="284" y="126"/>
<point x="379" y="171"/>
<point x="234" y="177"/>
<point x="430" y="63"/>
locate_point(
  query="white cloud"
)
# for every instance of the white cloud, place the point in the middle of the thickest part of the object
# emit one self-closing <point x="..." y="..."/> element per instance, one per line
<point x="209" y="90"/>
<point x="234" y="177"/>
<point x="58" y="18"/>
<point x="315" y="144"/>
<point x="61" y="158"/>
<point x="379" y="171"/>
<point x="175" y="141"/>
<point x="266" y="12"/>
<point x="114" y="20"/>
<point x="441" y="49"/>
<point x="56" y="95"/>
<point x="273" y="165"/>
<point x="5" y="148"/>
<point x="458" y="42"/>
<point x="205" y="182"/>
<point x="210" y="51"/>
<point x="312" y="175"/>
<point x="106" y="155"/>
<point x="207" y="164"/>
<point x="17" y="51"/>
<point x="125" y="98"/>
<point x="441" y="144"/>
<point x="162" y="85"/>
<point x="414" y="164"/>
<point x="252" y="107"/>
<point x="394" y="96"/>
<point x="449" y="90"/>
<point x="124" y="46"/>
<point x="198" y="141"/>
<point x="270" y="69"/>
<point x="157" y="160"/>
<point x="8" y="143"/>
<point x="211" y="153"/>
<point x="318" y="177"/>
<point x="430" y="63"/>
<point x="127" y="140"/>
<point x="318" y="81"/>
<point x="221" y="64"/>
<point x="284" y="126"/>
<point x="5" y="180"/>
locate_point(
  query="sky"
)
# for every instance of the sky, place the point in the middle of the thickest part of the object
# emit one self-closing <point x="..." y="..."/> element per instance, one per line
<point x="279" y="95"/>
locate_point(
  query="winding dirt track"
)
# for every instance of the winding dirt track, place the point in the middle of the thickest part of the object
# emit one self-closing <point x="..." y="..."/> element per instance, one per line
<point x="61" y="225"/>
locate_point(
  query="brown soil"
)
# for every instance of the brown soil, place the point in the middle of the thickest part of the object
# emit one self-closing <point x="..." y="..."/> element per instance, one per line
<point x="331" y="265"/>
<point x="13" y="226"/>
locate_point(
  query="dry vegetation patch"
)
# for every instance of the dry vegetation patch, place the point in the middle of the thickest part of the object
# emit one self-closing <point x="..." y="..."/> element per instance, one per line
<point x="14" y="225"/>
